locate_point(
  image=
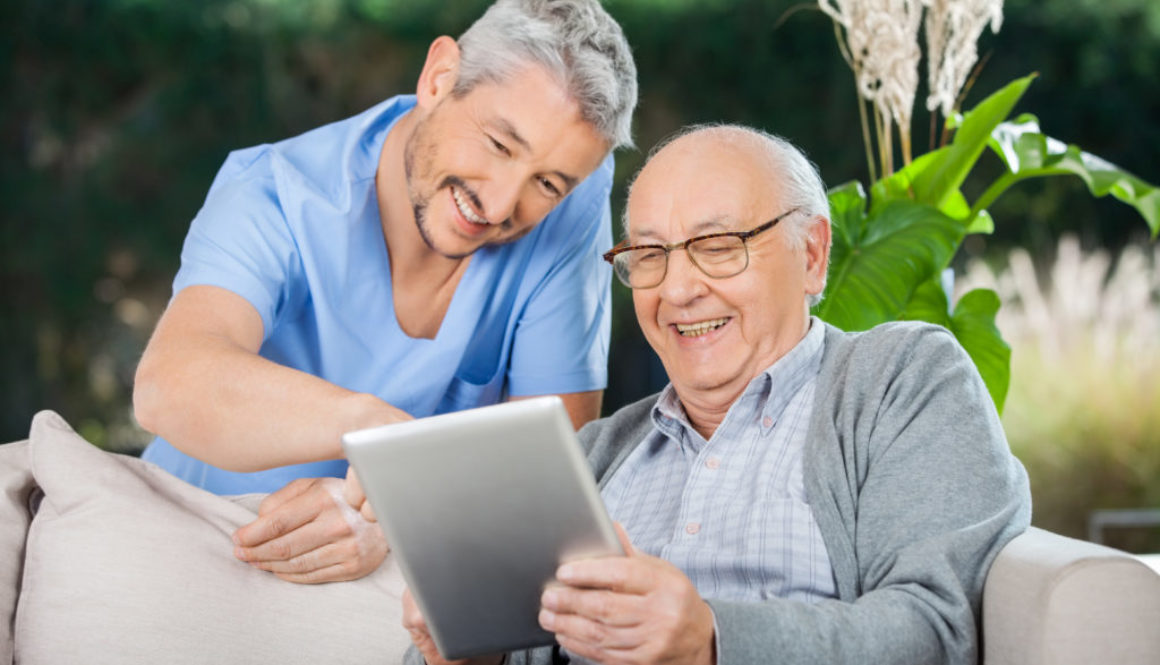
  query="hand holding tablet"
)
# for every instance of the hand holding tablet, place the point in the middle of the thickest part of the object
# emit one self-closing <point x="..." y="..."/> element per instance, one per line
<point x="482" y="507"/>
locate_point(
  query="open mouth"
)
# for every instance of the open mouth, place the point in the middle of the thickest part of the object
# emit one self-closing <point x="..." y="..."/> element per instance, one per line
<point x="700" y="328"/>
<point x="466" y="210"/>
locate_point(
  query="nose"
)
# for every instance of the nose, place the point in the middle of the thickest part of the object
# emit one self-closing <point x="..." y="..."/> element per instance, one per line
<point x="501" y="198"/>
<point x="683" y="282"/>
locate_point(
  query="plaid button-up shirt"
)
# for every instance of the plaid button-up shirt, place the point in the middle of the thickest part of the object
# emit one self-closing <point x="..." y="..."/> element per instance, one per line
<point x="731" y="512"/>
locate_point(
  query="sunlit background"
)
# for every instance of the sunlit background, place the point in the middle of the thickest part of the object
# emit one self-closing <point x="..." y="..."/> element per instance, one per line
<point x="115" y="115"/>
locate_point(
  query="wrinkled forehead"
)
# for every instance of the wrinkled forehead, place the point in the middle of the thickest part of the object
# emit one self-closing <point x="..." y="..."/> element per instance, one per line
<point x="700" y="185"/>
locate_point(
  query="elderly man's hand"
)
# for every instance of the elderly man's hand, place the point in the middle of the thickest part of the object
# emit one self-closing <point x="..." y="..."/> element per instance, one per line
<point x="415" y="624"/>
<point x="307" y="532"/>
<point x="633" y="609"/>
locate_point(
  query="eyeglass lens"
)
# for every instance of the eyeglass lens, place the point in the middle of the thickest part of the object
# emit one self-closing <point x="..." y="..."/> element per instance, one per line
<point x="718" y="257"/>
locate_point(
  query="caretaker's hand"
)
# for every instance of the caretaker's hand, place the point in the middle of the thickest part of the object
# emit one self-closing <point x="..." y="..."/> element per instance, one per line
<point x="415" y="624"/>
<point x="352" y="493"/>
<point x="629" y="609"/>
<point x="307" y="532"/>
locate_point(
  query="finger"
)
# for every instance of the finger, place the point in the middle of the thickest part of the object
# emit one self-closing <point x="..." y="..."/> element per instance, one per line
<point x="605" y="607"/>
<point x="287" y="518"/>
<point x="615" y="573"/>
<point x="625" y="542"/>
<point x="335" y="573"/>
<point x="352" y="491"/>
<point x="412" y="616"/>
<point x="295" y="545"/>
<point x="292" y="489"/>
<point x="367" y="512"/>
<point x="588" y="632"/>
<point x="598" y="654"/>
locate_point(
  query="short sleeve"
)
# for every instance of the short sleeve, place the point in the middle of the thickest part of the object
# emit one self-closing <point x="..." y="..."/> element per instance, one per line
<point x="561" y="340"/>
<point x="240" y="240"/>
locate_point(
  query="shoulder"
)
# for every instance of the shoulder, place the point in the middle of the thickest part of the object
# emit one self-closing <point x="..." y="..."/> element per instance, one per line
<point x="324" y="159"/>
<point x="603" y="438"/>
<point x="892" y="344"/>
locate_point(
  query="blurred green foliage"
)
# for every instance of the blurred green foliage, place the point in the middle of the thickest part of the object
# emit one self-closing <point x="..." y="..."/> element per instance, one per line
<point x="115" y="115"/>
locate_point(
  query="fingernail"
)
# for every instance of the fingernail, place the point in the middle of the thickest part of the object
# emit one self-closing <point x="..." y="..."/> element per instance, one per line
<point x="550" y="599"/>
<point x="565" y="572"/>
<point x="547" y="620"/>
<point x="240" y="553"/>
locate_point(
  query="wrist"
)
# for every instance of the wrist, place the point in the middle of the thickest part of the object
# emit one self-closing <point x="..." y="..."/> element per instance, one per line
<point x="363" y="411"/>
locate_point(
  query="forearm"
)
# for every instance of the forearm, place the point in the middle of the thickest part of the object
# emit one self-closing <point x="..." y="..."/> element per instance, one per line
<point x="874" y="630"/>
<point x="229" y="407"/>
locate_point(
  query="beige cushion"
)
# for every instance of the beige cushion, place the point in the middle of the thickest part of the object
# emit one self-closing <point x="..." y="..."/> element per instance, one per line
<point x="16" y="488"/>
<point x="127" y="564"/>
<point x="1052" y="600"/>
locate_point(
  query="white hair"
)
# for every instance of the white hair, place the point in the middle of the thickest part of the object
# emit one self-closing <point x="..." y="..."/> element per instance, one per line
<point x="798" y="182"/>
<point x="575" y="40"/>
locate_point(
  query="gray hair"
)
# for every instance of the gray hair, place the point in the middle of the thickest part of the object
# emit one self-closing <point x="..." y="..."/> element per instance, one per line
<point x="799" y="183"/>
<point x="576" y="40"/>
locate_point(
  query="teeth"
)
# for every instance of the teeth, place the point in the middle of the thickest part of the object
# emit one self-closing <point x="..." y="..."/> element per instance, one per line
<point x="466" y="210"/>
<point x="700" y="328"/>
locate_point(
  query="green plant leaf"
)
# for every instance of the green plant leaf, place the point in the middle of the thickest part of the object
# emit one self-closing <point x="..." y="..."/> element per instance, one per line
<point x="848" y="212"/>
<point x="901" y="185"/>
<point x="929" y="303"/>
<point x="973" y="323"/>
<point x="1028" y="153"/>
<point x="945" y="175"/>
<point x="877" y="261"/>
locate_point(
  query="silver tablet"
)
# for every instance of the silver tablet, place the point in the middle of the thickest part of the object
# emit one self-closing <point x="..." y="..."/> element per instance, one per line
<point x="481" y="507"/>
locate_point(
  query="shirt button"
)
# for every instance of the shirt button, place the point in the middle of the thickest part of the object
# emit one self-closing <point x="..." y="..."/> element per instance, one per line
<point x="713" y="462"/>
<point x="767" y="421"/>
<point x="692" y="528"/>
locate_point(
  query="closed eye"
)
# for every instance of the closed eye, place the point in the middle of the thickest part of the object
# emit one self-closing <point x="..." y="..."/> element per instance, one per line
<point x="550" y="188"/>
<point x="498" y="146"/>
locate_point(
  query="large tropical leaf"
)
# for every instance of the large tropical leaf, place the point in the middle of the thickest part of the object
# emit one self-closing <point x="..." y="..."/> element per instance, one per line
<point x="879" y="259"/>
<point x="973" y="323"/>
<point x="939" y="180"/>
<point x="1028" y="153"/>
<point x="900" y="184"/>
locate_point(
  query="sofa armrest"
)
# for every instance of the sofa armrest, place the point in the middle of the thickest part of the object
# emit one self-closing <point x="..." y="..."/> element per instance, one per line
<point x="1052" y="600"/>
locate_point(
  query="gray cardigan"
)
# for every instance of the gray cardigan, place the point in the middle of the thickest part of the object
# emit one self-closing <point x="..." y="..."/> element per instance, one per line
<point x="914" y="489"/>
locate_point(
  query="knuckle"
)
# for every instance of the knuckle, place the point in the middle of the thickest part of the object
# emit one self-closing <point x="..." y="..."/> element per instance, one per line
<point x="280" y="549"/>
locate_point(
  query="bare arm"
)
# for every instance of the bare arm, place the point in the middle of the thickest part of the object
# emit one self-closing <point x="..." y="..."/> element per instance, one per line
<point x="203" y="387"/>
<point x="582" y="407"/>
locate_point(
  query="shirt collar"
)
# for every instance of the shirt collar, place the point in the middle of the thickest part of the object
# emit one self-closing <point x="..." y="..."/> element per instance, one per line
<point x="772" y="389"/>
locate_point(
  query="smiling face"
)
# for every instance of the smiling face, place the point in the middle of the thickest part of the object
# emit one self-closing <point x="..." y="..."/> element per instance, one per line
<point x="484" y="168"/>
<point x="715" y="335"/>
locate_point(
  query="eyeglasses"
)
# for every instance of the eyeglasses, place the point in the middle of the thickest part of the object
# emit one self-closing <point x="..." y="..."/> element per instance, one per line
<point x="718" y="255"/>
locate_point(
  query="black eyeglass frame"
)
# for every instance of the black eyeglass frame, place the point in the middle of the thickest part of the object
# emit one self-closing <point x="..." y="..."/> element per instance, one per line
<point x="744" y="236"/>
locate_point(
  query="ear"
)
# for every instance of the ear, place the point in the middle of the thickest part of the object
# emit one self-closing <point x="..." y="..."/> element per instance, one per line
<point x="440" y="72"/>
<point x="817" y="253"/>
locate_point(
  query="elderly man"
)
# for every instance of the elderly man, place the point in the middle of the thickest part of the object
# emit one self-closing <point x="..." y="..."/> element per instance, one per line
<point x="436" y="252"/>
<point x="797" y="494"/>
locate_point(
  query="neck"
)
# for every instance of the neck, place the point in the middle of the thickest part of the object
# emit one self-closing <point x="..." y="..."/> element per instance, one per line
<point x="707" y="407"/>
<point x="408" y="252"/>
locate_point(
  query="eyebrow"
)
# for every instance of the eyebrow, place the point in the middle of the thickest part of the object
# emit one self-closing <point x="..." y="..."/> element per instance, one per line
<point x="505" y="127"/>
<point x="712" y="225"/>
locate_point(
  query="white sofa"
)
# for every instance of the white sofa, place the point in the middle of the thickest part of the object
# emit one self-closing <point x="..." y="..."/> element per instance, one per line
<point x="107" y="559"/>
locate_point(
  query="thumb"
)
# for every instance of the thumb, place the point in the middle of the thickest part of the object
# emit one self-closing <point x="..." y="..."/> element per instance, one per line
<point x="622" y="535"/>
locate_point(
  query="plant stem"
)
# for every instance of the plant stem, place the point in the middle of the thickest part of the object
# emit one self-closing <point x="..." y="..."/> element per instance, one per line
<point x="991" y="193"/>
<point x="867" y="142"/>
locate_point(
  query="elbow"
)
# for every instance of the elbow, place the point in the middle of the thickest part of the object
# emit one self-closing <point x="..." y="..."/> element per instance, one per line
<point x="148" y="397"/>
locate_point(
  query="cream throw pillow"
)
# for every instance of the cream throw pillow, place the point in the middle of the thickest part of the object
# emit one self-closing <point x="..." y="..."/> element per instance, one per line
<point x="127" y="564"/>
<point x="16" y="489"/>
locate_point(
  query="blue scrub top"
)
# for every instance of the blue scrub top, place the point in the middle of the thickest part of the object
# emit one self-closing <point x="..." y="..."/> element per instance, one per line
<point x="294" y="228"/>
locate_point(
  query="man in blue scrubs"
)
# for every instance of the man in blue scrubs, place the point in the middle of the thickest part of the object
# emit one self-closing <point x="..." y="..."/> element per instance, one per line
<point x="437" y="252"/>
